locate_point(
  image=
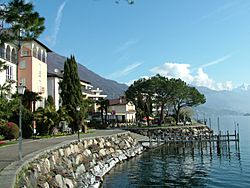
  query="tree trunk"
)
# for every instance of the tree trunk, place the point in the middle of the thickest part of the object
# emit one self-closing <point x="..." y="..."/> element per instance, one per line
<point x="102" y="116"/>
<point x="161" y="114"/>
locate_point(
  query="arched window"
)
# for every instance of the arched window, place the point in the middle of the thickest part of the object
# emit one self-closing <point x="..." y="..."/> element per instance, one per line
<point x="2" y="51"/>
<point x="39" y="56"/>
<point x="34" y="52"/>
<point x="8" y="53"/>
<point x="44" y="57"/>
<point x="13" y="56"/>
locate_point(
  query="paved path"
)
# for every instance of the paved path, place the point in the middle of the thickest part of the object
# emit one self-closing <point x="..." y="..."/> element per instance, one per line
<point x="9" y="154"/>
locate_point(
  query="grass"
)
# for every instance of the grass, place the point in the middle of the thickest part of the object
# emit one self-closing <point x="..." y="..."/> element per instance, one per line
<point x="7" y="142"/>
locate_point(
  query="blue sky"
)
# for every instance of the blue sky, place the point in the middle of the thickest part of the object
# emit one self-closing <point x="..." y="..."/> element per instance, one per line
<point x="203" y="42"/>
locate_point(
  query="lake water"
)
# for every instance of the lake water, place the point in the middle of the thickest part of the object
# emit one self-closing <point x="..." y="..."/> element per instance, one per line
<point x="177" y="166"/>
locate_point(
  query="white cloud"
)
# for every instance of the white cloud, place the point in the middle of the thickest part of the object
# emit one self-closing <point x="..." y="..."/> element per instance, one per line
<point x="174" y="70"/>
<point x="52" y="39"/>
<point x="132" y="81"/>
<point x="127" y="70"/>
<point x="200" y="78"/>
<point x="126" y="45"/>
<point x="217" y="61"/>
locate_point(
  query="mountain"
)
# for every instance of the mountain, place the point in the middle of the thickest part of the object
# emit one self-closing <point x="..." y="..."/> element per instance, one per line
<point x="111" y="88"/>
<point x="234" y="102"/>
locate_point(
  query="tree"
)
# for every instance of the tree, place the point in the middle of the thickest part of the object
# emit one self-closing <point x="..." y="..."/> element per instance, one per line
<point x="185" y="96"/>
<point x="29" y="99"/>
<point x="21" y="22"/>
<point x="71" y="90"/>
<point x="104" y="104"/>
<point x="141" y="94"/>
<point x="163" y="91"/>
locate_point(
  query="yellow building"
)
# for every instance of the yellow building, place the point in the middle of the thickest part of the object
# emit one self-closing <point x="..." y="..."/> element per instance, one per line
<point x="32" y="68"/>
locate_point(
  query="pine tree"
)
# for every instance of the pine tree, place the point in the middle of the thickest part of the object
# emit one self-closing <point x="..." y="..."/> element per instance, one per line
<point x="71" y="91"/>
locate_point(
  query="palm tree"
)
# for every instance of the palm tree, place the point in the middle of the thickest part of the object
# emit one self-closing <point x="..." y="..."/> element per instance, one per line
<point x="30" y="98"/>
<point x="104" y="104"/>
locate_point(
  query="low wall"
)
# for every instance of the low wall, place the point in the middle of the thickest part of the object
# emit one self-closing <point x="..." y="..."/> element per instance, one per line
<point x="78" y="164"/>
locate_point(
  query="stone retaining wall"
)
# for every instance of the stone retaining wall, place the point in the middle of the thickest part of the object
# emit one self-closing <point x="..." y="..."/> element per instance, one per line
<point x="78" y="164"/>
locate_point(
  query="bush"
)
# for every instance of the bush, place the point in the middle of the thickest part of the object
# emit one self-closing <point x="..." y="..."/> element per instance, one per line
<point x="169" y="120"/>
<point x="9" y="130"/>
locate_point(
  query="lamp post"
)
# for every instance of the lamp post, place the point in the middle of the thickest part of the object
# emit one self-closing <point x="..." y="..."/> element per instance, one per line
<point x="20" y="89"/>
<point x="77" y="122"/>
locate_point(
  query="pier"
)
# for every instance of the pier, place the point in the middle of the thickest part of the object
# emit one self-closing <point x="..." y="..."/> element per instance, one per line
<point x="187" y="134"/>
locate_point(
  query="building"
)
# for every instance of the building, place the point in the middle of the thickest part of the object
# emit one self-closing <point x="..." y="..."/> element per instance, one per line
<point x="8" y="54"/>
<point x="122" y="110"/>
<point x="32" y="68"/>
<point x="88" y="92"/>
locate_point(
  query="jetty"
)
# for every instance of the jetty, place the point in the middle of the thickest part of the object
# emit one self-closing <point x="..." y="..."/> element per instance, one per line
<point x="184" y="134"/>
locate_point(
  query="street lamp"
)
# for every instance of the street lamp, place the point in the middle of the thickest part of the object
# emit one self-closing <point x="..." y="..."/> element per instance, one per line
<point x="20" y="90"/>
<point x="78" y="108"/>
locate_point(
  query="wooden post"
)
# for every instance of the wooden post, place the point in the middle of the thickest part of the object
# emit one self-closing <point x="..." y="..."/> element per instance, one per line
<point x="210" y="123"/>
<point x="218" y="123"/>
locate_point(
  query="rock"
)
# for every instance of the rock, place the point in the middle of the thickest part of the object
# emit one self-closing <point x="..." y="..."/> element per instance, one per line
<point x="87" y="153"/>
<point x="80" y="170"/>
<point x="59" y="180"/>
<point x="76" y="149"/>
<point x="46" y="185"/>
<point x="67" y="151"/>
<point x="102" y="152"/>
<point x="108" y="144"/>
<point x="79" y="159"/>
<point x="61" y="152"/>
<point x="68" y="183"/>
<point x="46" y="166"/>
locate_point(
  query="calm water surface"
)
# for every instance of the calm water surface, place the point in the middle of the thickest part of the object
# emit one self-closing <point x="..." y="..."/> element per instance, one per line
<point x="179" y="166"/>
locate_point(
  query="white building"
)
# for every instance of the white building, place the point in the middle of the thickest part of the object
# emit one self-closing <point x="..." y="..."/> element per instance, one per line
<point x="87" y="89"/>
<point x="122" y="110"/>
<point x="8" y="54"/>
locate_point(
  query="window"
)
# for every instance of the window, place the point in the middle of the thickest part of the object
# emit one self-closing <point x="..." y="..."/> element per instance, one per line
<point x="39" y="56"/>
<point x="2" y="51"/>
<point x="34" y="52"/>
<point x="40" y="71"/>
<point x="25" y="51"/>
<point x="44" y="57"/>
<point x="22" y="65"/>
<point x="13" y="56"/>
<point x="9" y="73"/>
<point x="8" y="53"/>
<point x="23" y="81"/>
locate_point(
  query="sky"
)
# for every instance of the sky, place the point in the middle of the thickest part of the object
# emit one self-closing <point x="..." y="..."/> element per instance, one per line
<point x="205" y="43"/>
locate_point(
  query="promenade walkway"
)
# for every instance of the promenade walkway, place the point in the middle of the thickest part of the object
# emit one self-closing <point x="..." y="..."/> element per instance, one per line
<point x="9" y="154"/>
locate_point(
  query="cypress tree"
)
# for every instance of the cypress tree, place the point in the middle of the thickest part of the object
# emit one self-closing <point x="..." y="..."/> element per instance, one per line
<point x="71" y="90"/>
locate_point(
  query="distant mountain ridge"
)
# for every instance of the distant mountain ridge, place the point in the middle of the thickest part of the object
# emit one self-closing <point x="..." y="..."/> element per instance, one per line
<point x="234" y="102"/>
<point x="110" y="87"/>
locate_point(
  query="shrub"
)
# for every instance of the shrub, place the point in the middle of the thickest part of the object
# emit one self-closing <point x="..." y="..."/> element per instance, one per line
<point x="9" y="130"/>
<point x="169" y="120"/>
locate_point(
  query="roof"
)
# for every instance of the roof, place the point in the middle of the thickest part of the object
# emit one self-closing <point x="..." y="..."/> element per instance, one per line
<point x="60" y="75"/>
<point x="120" y="101"/>
<point x="43" y="45"/>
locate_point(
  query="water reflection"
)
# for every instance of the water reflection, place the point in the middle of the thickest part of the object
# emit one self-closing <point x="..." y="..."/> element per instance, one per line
<point x="177" y="164"/>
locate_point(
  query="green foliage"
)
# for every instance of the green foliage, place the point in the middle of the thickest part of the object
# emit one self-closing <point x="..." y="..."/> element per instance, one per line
<point x="21" y="17"/>
<point x="141" y="94"/>
<point x="8" y="108"/>
<point x="71" y="90"/>
<point x="29" y="99"/>
<point x="169" y="120"/>
<point x="48" y="118"/>
<point x="9" y="130"/>
<point x="103" y="107"/>
<point x="50" y="100"/>
<point x="163" y="93"/>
